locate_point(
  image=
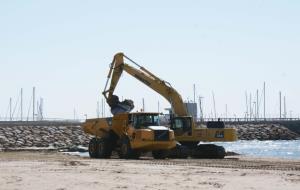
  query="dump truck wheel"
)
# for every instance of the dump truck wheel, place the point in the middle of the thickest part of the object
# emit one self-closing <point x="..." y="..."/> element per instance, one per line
<point x="93" y="146"/>
<point x="126" y="152"/>
<point x="160" y="154"/>
<point x="104" y="149"/>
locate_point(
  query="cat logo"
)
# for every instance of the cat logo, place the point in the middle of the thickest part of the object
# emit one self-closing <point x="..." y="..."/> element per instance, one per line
<point x="219" y="134"/>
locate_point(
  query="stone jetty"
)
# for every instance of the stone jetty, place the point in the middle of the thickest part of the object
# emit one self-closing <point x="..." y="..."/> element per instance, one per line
<point x="264" y="132"/>
<point x="59" y="137"/>
<point x="66" y="137"/>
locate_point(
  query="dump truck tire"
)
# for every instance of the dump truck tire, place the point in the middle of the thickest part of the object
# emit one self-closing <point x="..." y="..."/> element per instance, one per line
<point x="93" y="146"/>
<point x="160" y="154"/>
<point x="126" y="152"/>
<point x="104" y="148"/>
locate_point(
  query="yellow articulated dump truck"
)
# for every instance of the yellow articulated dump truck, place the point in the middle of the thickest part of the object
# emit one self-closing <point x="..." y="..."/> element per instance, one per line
<point x="129" y="134"/>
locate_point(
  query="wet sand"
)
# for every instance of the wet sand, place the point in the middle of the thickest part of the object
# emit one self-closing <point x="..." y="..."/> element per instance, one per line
<point x="38" y="170"/>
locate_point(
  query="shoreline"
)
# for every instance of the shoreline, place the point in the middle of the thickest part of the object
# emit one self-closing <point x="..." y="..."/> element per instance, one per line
<point x="280" y="149"/>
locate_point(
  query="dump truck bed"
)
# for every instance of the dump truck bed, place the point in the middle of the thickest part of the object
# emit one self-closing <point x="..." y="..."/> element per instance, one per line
<point x="98" y="127"/>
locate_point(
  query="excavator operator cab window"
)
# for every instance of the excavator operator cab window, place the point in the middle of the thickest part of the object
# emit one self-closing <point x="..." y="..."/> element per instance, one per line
<point x="144" y="121"/>
<point x="181" y="124"/>
<point x="177" y="124"/>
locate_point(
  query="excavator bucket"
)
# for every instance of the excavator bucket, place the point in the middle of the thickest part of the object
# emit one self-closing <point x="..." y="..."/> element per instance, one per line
<point x="122" y="107"/>
<point x="116" y="106"/>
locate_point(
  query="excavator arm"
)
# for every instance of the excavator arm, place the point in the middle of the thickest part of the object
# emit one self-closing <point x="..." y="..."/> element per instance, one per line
<point x="155" y="83"/>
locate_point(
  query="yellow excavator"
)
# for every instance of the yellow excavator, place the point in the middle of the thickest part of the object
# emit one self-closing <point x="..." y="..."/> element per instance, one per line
<point x="187" y="133"/>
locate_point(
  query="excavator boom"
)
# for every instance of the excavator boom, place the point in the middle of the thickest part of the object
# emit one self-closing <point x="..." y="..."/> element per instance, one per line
<point x="155" y="83"/>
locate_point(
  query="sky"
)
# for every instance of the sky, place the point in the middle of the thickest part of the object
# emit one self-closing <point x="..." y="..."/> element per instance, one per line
<point x="226" y="48"/>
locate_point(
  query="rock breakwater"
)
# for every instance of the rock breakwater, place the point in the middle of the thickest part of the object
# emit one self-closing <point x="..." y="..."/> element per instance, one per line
<point x="42" y="136"/>
<point x="264" y="132"/>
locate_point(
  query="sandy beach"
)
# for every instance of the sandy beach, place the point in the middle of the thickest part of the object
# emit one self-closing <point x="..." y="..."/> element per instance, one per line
<point x="52" y="170"/>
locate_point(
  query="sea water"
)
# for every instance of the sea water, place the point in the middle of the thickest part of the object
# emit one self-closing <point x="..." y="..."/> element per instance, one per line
<point x="287" y="149"/>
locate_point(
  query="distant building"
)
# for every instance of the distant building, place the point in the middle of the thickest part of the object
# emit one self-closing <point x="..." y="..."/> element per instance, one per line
<point x="191" y="109"/>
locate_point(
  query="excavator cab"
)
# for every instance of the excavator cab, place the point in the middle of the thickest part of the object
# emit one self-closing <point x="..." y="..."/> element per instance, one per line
<point x="182" y="125"/>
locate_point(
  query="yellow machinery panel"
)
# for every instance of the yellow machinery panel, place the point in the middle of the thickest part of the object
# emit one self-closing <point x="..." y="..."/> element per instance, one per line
<point x="216" y="134"/>
<point x="98" y="127"/>
<point x="144" y="140"/>
<point x="210" y="135"/>
<point x="120" y="124"/>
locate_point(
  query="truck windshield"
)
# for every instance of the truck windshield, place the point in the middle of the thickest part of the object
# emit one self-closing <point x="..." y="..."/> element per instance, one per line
<point x="143" y="121"/>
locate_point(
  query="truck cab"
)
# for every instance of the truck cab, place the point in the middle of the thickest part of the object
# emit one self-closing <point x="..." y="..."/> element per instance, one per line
<point x="143" y="130"/>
